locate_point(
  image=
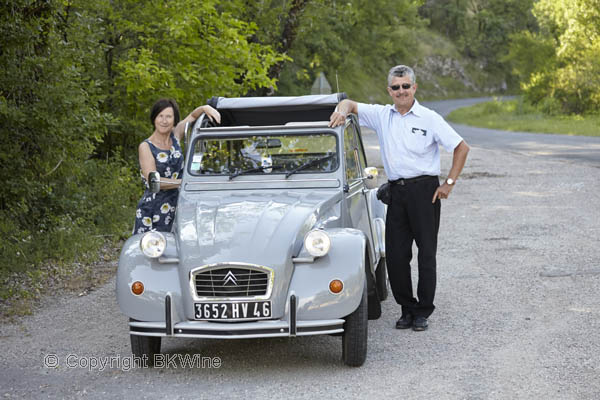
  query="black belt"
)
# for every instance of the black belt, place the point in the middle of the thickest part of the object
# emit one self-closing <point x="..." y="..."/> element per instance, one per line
<point x="404" y="181"/>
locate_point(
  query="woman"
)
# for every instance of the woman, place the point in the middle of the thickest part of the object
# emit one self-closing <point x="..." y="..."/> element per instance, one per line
<point x="162" y="152"/>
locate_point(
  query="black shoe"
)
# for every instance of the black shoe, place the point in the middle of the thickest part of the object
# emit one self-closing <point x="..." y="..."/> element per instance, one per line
<point x="405" y="322"/>
<point x="420" y="324"/>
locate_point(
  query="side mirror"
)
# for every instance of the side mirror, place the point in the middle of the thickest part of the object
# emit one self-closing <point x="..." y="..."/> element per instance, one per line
<point x="371" y="174"/>
<point x="154" y="181"/>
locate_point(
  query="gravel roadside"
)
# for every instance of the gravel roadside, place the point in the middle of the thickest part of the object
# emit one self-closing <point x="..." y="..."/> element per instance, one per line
<point x="517" y="316"/>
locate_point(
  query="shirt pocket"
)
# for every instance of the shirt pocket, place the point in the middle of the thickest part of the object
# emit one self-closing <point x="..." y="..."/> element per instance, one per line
<point x="419" y="141"/>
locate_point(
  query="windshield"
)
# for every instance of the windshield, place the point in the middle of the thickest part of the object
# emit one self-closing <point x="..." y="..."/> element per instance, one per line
<point x="273" y="154"/>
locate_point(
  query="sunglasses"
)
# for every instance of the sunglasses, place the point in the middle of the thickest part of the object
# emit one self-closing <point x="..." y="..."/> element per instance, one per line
<point x="404" y="86"/>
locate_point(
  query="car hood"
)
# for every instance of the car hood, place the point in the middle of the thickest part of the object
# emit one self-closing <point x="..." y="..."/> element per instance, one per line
<point x="254" y="227"/>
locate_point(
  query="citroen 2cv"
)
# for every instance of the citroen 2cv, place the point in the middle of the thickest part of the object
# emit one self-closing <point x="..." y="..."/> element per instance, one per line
<point x="278" y="233"/>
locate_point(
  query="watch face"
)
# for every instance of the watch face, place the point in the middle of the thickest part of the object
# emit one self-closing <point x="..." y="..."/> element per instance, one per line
<point x="450" y="181"/>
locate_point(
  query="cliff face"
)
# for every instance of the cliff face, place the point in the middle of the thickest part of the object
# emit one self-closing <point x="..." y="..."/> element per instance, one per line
<point x="441" y="71"/>
<point x="437" y="68"/>
<point x="444" y="76"/>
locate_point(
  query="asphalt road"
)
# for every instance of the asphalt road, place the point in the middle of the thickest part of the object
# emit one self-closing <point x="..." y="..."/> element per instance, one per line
<point x="517" y="315"/>
<point x="575" y="149"/>
<point x="578" y="149"/>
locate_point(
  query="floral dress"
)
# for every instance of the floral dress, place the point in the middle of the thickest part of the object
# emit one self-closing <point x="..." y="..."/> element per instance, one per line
<point x="156" y="211"/>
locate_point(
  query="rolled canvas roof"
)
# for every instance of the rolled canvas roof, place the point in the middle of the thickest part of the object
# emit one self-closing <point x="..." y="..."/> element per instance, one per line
<point x="275" y="110"/>
<point x="277" y="101"/>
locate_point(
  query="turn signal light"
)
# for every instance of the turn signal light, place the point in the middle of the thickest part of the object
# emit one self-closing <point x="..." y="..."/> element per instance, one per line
<point x="137" y="288"/>
<point x="336" y="286"/>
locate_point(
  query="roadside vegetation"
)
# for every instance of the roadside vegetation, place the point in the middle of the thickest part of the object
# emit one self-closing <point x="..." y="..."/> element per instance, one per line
<point x="517" y="115"/>
<point x="77" y="79"/>
<point x="558" y="72"/>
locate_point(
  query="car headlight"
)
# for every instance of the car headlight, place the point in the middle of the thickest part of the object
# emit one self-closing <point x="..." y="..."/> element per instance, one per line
<point x="153" y="244"/>
<point x="317" y="243"/>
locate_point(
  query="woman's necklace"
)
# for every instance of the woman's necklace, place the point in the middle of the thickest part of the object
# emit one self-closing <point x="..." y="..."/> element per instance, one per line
<point x="161" y="142"/>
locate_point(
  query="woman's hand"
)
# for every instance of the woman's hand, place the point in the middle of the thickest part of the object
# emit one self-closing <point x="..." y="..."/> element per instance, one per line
<point x="211" y="113"/>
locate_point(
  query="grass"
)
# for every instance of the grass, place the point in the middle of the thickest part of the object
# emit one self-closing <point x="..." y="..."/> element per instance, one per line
<point x="514" y="115"/>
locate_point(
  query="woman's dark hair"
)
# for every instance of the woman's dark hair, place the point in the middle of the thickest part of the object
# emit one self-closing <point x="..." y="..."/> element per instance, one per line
<point x="161" y="105"/>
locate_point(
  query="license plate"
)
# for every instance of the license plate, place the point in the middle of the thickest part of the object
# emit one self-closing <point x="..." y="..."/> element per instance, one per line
<point x="239" y="310"/>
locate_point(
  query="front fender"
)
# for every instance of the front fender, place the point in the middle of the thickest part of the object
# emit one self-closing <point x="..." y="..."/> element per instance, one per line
<point x="158" y="279"/>
<point x="310" y="281"/>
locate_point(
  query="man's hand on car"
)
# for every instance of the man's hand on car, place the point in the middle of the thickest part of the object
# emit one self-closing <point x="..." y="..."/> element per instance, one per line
<point x="337" y="118"/>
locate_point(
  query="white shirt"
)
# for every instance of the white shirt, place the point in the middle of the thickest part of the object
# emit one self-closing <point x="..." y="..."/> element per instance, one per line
<point x="409" y="143"/>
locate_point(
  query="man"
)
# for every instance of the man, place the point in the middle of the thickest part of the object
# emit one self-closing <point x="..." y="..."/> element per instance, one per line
<point x="409" y="137"/>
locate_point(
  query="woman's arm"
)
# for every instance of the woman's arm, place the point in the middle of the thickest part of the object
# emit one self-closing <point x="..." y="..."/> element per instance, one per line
<point x="147" y="164"/>
<point x="194" y="115"/>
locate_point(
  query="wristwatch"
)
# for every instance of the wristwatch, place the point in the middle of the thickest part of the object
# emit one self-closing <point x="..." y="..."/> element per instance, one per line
<point x="450" y="181"/>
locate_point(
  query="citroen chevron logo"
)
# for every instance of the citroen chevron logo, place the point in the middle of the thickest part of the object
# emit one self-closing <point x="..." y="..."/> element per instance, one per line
<point x="230" y="277"/>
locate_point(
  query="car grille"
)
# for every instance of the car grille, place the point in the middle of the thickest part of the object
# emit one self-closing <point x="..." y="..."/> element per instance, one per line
<point x="231" y="282"/>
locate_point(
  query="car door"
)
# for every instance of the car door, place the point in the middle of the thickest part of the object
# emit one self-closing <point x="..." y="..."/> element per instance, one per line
<point x="355" y="190"/>
<point x="375" y="209"/>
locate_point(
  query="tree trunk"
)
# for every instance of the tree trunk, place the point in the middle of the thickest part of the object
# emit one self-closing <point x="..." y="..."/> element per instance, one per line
<point x="288" y="34"/>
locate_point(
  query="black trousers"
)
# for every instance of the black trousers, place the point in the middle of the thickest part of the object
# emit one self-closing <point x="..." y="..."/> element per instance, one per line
<point x="412" y="217"/>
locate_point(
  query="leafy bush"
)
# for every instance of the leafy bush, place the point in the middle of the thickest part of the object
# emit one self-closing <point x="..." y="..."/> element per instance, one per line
<point x="550" y="106"/>
<point x="102" y="207"/>
<point x="523" y="107"/>
<point x="493" y="107"/>
<point x="110" y="193"/>
<point x="76" y="81"/>
<point x="558" y="66"/>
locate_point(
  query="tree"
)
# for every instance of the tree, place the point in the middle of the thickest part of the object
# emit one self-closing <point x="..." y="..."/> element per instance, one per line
<point x="481" y="28"/>
<point x="183" y="49"/>
<point x="48" y="113"/>
<point x="350" y="42"/>
<point x="567" y="79"/>
<point x="76" y="81"/>
<point x="50" y="124"/>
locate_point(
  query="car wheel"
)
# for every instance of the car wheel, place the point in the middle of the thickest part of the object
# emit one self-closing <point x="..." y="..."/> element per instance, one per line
<point x="381" y="279"/>
<point x="354" y="339"/>
<point x="145" y="346"/>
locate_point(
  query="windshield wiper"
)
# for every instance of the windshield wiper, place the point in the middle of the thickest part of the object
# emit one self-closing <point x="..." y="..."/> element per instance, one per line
<point x="309" y="164"/>
<point x="257" y="169"/>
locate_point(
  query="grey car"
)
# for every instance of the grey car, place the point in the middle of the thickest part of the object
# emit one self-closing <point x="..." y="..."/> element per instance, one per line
<point x="278" y="232"/>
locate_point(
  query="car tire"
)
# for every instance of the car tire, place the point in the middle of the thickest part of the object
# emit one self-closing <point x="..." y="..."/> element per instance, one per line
<point x="354" y="338"/>
<point x="381" y="279"/>
<point x="145" y="347"/>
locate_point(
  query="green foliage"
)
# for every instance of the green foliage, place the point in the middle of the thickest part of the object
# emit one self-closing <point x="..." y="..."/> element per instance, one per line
<point x="77" y="79"/>
<point x="528" y="53"/>
<point x="561" y="73"/>
<point x="50" y="124"/>
<point x="183" y="49"/>
<point x="354" y="43"/>
<point x="111" y="191"/>
<point x="100" y="207"/>
<point x="480" y="28"/>
<point x="192" y="53"/>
